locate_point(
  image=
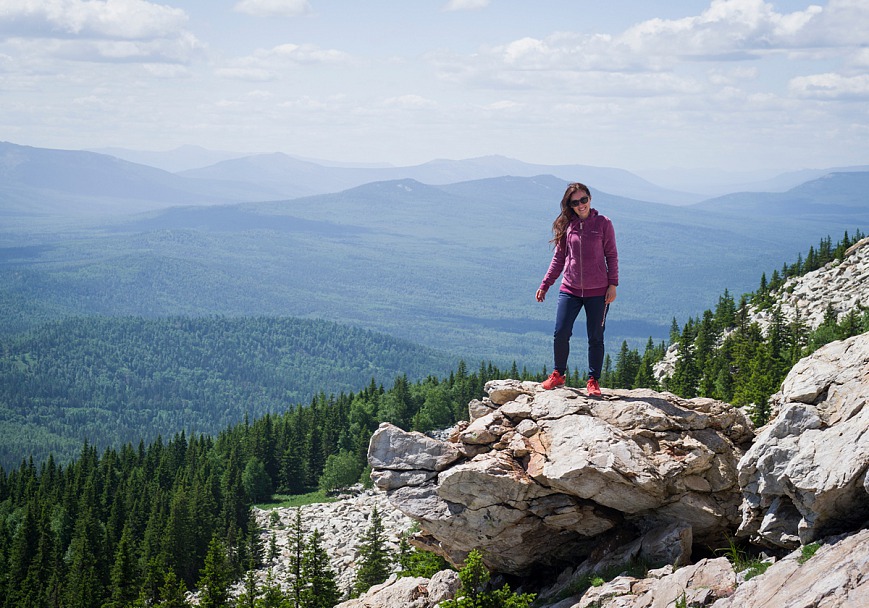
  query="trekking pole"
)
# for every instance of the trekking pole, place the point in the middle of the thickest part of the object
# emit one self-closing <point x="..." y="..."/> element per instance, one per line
<point x="606" y="309"/>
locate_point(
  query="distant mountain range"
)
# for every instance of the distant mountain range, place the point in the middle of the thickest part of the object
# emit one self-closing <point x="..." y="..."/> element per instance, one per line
<point x="68" y="182"/>
<point x="453" y="266"/>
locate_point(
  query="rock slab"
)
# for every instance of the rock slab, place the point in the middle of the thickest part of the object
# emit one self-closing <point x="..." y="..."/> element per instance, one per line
<point x="540" y="477"/>
<point x="805" y="477"/>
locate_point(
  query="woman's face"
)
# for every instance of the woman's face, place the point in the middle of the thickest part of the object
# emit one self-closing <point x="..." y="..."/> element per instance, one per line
<point x="580" y="202"/>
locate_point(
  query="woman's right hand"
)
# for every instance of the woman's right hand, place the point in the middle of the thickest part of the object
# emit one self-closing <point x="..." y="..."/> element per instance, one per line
<point x="541" y="295"/>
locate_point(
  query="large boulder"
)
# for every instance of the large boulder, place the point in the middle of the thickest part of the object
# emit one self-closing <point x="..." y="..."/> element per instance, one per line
<point x="806" y="475"/>
<point x="542" y="477"/>
<point x="836" y="576"/>
<point x="408" y="592"/>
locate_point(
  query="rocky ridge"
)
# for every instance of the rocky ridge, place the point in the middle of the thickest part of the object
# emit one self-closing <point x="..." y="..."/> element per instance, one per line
<point x="541" y="477"/>
<point x="803" y="478"/>
<point x="840" y="284"/>
<point x="532" y="506"/>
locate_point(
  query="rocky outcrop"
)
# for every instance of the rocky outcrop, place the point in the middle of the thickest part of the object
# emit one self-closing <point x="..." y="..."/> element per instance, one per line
<point x="408" y="592"/>
<point x="837" y="576"/>
<point x="699" y="584"/>
<point x="543" y="477"/>
<point x="842" y="285"/>
<point x="806" y="474"/>
<point x="341" y="524"/>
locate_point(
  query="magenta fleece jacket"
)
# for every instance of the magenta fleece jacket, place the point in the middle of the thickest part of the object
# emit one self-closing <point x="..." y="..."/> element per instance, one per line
<point x="588" y="256"/>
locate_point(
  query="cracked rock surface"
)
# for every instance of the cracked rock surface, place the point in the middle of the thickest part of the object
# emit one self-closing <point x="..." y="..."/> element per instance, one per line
<point x="806" y="474"/>
<point x="541" y="477"/>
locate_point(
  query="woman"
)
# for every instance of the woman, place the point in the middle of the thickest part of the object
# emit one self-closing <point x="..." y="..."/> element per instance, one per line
<point x="585" y="249"/>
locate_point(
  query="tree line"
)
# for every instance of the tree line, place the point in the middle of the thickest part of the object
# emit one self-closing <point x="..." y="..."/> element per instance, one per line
<point x="724" y="355"/>
<point x="113" y="380"/>
<point x="141" y="525"/>
<point x="138" y="523"/>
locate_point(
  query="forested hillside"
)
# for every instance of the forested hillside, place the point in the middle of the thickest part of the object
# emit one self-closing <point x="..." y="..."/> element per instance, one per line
<point x="725" y="354"/>
<point x="139" y="525"/>
<point x="115" y="380"/>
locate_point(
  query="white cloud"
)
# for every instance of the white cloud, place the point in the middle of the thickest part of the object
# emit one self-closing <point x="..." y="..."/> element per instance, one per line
<point x="273" y="8"/>
<point x="831" y="86"/>
<point x="111" y="19"/>
<point x="268" y="64"/>
<point x="466" y="5"/>
<point x="729" y="30"/>
<point x="99" y="30"/>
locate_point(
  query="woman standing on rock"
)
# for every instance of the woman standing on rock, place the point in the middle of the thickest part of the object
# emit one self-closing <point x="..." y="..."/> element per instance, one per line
<point x="585" y="249"/>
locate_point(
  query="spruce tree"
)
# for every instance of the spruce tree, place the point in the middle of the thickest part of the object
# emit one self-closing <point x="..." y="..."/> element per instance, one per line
<point x="173" y="593"/>
<point x="125" y="575"/>
<point x="320" y="590"/>
<point x="216" y="579"/>
<point x="250" y="592"/>
<point x="297" y="550"/>
<point x="374" y="561"/>
<point x="272" y="596"/>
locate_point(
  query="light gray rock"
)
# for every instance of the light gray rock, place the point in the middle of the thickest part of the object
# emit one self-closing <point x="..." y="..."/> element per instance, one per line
<point x="546" y="475"/>
<point x="837" y="576"/>
<point x="408" y="592"/>
<point x="805" y="476"/>
<point x="392" y="448"/>
<point x="699" y="584"/>
<point x="342" y="525"/>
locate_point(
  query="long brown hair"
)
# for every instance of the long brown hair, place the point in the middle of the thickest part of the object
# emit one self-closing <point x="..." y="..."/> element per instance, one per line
<point x="559" y="226"/>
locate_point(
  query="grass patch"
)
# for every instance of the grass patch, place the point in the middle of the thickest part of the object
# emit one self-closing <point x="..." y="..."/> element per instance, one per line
<point x="742" y="562"/>
<point x="807" y="552"/>
<point x="295" y="500"/>
<point x="635" y="569"/>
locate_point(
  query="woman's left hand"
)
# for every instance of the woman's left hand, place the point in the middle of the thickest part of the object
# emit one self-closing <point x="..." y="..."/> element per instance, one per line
<point x="610" y="294"/>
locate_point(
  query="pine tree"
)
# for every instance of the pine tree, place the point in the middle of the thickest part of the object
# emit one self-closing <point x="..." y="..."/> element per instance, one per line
<point x="272" y="596"/>
<point x="297" y="550"/>
<point x="250" y="592"/>
<point x="173" y="593"/>
<point x="215" y="581"/>
<point x="125" y="575"/>
<point x="474" y="591"/>
<point x="321" y="590"/>
<point x="374" y="561"/>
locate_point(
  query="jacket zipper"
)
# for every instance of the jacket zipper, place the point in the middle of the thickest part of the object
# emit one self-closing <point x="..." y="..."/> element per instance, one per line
<point x="581" y="276"/>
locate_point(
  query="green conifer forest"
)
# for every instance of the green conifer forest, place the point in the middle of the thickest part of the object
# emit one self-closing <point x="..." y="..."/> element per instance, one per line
<point x="139" y="523"/>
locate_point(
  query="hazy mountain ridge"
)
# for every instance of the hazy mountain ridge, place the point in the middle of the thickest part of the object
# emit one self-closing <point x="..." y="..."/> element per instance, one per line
<point x="37" y="180"/>
<point x="69" y="182"/>
<point x="454" y="267"/>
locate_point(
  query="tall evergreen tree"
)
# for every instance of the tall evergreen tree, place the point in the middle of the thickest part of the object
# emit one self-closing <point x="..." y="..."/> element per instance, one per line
<point x="321" y="590"/>
<point x="374" y="560"/>
<point x="297" y="551"/>
<point x="272" y="596"/>
<point x="173" y="593"/>
<point x="216" y="579"/>
<point x="125" y="575"/>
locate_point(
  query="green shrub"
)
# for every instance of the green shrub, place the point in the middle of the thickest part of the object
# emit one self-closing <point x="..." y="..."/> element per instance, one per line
<point x="474" y="592"/>
<point x="807" y="552"/>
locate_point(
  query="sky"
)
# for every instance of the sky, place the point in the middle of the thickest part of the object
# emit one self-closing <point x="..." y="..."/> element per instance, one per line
<point x="730" y="85"/>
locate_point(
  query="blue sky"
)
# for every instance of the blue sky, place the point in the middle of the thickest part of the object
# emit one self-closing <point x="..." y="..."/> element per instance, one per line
<point x="736" y="85"/>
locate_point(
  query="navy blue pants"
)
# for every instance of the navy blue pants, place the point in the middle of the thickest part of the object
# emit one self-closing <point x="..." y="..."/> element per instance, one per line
<point x="568" y="309"/>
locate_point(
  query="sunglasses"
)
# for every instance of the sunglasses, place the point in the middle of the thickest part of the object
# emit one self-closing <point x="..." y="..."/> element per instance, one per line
<point x="579" y="201"/>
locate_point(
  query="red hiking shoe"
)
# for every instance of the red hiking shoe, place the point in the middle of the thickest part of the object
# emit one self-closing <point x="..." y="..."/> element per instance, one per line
<point x="593" y="388"/>
<point x="555" y="379"/>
